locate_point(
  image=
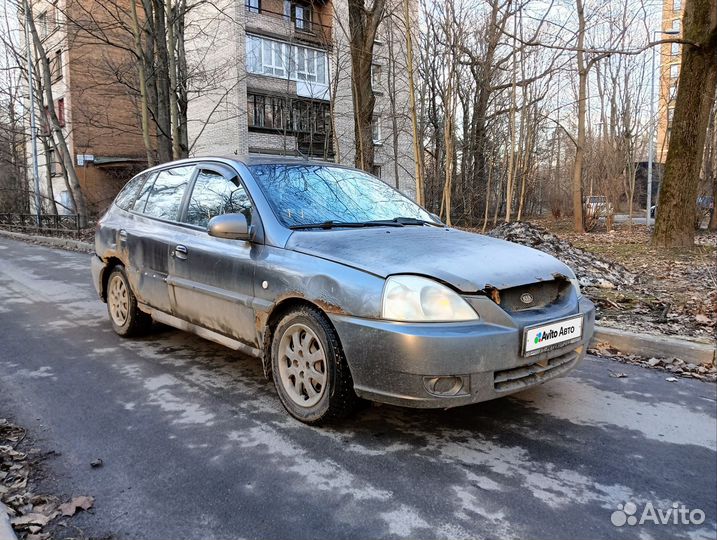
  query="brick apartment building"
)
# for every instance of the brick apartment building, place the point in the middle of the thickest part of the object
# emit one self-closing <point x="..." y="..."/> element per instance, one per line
<point x="286" y="85"/>
<point x="266" y="77"/>
<point x="670" y="62"/>
<point x="98" y="115"/>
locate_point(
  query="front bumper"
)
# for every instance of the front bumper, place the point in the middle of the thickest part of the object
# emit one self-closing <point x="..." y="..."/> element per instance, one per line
<point x="399" y="363"/>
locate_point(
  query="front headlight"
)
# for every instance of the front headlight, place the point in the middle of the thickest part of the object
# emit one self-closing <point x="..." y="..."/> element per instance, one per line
<point x="419" y="299"/>
<point x="576" y="285"/>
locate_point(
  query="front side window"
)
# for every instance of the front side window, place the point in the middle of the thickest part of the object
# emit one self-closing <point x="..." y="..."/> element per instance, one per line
<point x="164" y="198"/>
<point x="214" y="195"/>
<point x="309" y="194"/>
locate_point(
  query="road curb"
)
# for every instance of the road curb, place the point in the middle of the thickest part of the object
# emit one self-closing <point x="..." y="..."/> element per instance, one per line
<point x="6" y="532"/>
<point x="649" y="345"/>
<point x="65" y="243"/>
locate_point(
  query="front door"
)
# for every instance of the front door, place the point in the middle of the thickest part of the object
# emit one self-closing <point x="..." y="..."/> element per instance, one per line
<point x="212" y="279"/>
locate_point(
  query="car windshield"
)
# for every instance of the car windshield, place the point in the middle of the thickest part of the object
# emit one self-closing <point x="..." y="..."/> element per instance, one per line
<point x="303" y="195"/>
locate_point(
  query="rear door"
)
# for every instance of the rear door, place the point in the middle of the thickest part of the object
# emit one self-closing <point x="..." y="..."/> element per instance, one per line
<point x="150" y="233"/>
<point x="211" y="279"/>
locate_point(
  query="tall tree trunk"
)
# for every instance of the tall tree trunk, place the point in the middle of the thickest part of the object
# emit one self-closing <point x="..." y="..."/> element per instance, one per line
<point x="582" y="110"/>
<point x="363" y="25"/>
<point x="172" y="76"/>
<point x="49" y="188"/>
<point x="182" y="77"/>
<point x="141" y="65"/>
<point x="674" y="226"/>
<point x="417" y="145"/>
<point x="56" y="129"/>
<point x="391" y="88"/>
<point x="163" y="114"/>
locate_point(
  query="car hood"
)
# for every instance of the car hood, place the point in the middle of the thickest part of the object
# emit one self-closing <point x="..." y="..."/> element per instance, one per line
<point x="468" y="262"/>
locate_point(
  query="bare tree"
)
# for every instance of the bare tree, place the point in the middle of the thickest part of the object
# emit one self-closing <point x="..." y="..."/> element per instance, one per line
<point x="674" y="226"/>
<point x="363" y="24"/>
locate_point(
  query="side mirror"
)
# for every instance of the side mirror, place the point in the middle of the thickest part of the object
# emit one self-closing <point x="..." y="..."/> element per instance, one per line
<point x="231" y="226"/>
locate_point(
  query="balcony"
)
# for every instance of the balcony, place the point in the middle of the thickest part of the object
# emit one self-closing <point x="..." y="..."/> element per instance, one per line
<point x="302" y="22"/>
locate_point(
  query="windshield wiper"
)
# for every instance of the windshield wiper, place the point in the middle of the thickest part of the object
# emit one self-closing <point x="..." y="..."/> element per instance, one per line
<point x="330" y="224"/>
<point x="413" y="221"/>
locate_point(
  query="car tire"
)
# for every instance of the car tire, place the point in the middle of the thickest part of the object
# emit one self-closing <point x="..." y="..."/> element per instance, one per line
<point x="309" y="368"/>
<point x="126" y="318"/>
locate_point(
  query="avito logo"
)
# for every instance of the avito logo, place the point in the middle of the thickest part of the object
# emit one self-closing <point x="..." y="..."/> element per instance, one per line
<point x="552" y="334"/>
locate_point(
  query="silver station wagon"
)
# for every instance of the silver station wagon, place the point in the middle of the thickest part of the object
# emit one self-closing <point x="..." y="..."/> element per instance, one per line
<point x="343" y="287"/>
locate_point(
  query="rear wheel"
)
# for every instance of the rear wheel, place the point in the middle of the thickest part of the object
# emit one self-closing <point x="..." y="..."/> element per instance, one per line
<point x="126" y="318"/>
<point x="310" y="372"/>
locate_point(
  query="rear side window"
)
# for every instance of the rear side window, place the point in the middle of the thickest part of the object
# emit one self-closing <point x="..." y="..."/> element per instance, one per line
<point x="214" y="195"/>
<point x="127" y="195"/>
<point x="163" y="199"/>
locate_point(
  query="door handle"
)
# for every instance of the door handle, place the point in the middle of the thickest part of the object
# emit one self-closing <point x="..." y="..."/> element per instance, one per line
<point x="122" y="235"/>
<point x="180" y="252"/>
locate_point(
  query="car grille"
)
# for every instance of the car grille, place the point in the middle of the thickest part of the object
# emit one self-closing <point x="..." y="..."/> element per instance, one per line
<point x="531" y="296"/>
<point x="521" y="377"/>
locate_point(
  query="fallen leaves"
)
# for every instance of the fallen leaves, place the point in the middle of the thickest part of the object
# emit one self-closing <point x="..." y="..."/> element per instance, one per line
<point x="78" y="503"/>
<point x="29" y="513"/>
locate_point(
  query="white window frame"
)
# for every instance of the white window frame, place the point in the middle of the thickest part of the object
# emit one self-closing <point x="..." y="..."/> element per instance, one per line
<point x="376" y="129"/>
<point x="295" y="62"/>
<point x="674" y="71"/>
<point x="376" y="73"/>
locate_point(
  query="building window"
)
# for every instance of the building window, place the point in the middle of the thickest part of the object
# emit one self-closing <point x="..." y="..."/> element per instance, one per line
<point x="376" y="129"/>
<point x="676" y="5"/>
<point x="55" y="166"/>
<point x="61" y="111"/>
<point x="288" y="115"/>
<point x="278" y="59"/>
<point x="253" y="6"/>
<point x="57" y="14"/>
<point x="676" y="25"/>
<point x="310" y="65"/>
<point x="376" y="171"/>
<point x="675" y="49"/>
<point x="56" y="66"/>
<point x="670" y="116"/>
<point x="376" y="72"/>
<point x="41" y="24"/>
<point x="302" y="17"/>
<point x="674" y="71"/>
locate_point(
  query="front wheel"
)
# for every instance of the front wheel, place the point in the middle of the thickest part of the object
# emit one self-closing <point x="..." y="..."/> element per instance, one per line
<point x="310" y="372"/>
<point x="126" y="318"/>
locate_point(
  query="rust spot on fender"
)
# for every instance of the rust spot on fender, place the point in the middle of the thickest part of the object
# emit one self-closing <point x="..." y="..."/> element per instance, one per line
<point x="328" y="307"/>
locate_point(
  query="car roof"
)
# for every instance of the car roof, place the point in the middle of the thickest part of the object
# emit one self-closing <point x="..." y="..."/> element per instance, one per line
<point x="249" y="161"/>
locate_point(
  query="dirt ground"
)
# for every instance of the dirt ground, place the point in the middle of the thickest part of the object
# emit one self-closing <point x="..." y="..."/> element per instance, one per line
<point x="675" y="292"/>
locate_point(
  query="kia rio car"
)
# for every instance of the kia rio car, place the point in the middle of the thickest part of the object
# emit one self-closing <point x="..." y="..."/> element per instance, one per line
<point x="342" y="286"/>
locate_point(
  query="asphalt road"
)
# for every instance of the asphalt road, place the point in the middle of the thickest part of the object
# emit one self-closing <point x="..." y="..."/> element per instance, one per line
<point x="196" y="444"/>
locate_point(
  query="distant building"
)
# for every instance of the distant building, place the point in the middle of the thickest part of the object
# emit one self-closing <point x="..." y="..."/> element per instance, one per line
<point x="99" y="117"/>
<point x="670" y="63"/>
<point x="266" y="77"/>
<point x="287" y="87"/>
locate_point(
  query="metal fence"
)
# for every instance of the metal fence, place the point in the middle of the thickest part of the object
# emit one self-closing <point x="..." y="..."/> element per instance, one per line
<point x="50" y="224"/>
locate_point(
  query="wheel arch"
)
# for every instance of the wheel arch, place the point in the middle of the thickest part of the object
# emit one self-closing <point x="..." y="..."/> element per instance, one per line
<point x="110" y="264"/>
<point x="280" y="309"/>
